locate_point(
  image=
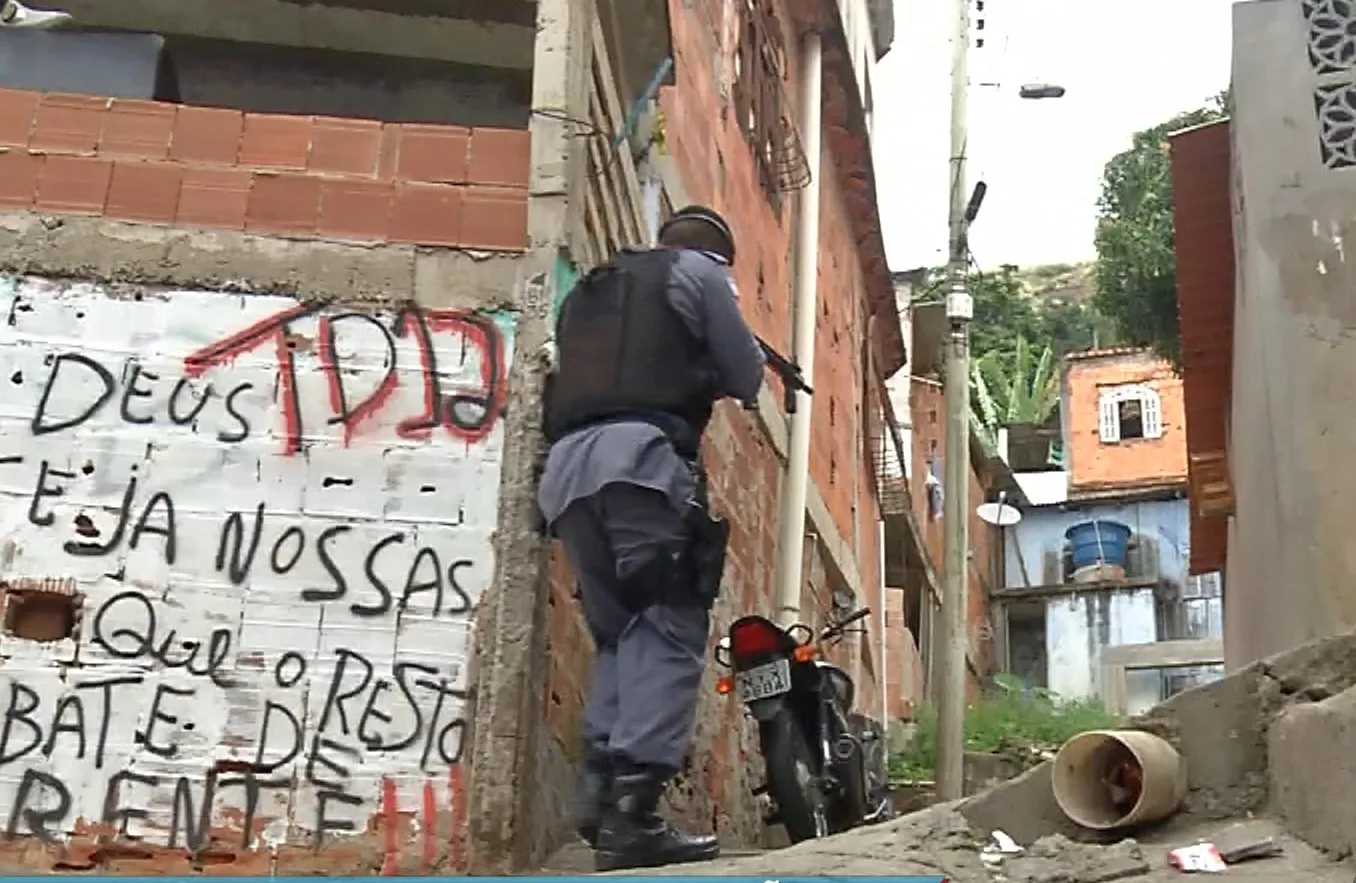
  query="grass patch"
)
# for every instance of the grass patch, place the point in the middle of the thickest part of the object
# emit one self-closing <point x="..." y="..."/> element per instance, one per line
<point x="1009" y="718"/>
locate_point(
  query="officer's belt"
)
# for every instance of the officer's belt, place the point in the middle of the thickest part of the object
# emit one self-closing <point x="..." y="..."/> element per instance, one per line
<point x="680" y="433"/>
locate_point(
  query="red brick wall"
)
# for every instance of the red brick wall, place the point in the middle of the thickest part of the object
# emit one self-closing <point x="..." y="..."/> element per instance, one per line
<point x="718" y="169"/>
<point x="906" y="666"/>
<point x="928" y="407"/>
<point x="1138" y="462"/>
<point x="321" y="177"/>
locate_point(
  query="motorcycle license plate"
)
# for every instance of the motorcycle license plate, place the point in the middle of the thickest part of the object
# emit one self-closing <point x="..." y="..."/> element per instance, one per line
<point x="765" y="681"/>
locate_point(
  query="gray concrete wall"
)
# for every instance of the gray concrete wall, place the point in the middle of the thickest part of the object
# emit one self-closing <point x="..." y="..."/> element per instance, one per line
<point x="1291" y="558"/>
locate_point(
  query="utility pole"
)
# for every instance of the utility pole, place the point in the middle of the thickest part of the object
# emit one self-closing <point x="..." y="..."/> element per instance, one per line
<point x="953" y="642"/>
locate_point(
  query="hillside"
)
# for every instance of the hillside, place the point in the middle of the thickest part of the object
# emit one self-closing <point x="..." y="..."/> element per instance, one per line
<point x="1070" y="283"/>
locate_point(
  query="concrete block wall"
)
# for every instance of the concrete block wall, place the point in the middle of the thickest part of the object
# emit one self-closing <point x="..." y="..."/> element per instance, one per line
<point x="1292" y="407"/>
<point x="324" y="177"/>
<point x="257" y="373"/>
<point x="241" y="575"/>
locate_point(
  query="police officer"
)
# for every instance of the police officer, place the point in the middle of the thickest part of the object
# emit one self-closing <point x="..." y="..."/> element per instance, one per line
<point x="646" y="346"/>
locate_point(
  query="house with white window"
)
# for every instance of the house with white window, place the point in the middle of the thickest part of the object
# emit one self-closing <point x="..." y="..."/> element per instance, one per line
<point x="1096" y="600"/>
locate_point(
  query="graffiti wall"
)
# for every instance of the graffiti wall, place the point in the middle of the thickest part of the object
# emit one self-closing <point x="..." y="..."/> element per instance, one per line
<point x="242" y="540"/>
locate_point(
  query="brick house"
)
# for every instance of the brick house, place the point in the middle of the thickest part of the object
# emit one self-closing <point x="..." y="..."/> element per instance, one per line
<point x="915" y="525"/>
<point x="737" y="68"/>
<point x="1097" y="600"/>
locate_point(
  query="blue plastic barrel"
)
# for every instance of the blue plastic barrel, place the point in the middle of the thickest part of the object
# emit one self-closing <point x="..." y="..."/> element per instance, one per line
<point x="1097" y="542"/>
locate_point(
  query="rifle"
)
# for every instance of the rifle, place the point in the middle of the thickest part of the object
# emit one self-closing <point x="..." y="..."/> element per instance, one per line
<point x="790" y="373"/>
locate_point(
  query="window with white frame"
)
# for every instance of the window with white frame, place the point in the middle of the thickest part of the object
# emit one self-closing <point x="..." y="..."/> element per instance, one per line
<point x="1129" y="412"/>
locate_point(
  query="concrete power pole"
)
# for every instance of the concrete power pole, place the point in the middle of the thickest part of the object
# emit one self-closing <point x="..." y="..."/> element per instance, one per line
<point x="953" y="641"/>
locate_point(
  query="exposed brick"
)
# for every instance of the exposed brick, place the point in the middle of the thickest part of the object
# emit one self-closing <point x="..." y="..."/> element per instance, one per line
<point x="355" y="209"/>
<point x="73" y="185"/>
<point x="68" y="123"/>
<point x="275" y="141"/>
<point x="144" y="191"/>
<point x="283" y="203"/>
<point x="389" y="156"/>
<point x="434" y="154"/>
<point x="17" y="110"/>
<point x="1132" y="462"/>
<point x="427" y="214"/>
<point x="19" y="171"/>
<point x="500" y="156"/>
<point x="494" y="218"/>
<point x="207" y="135"/>
<point x="343" y="146"/>
<point x="214" y="198"/>
<point x="138" y="128"/>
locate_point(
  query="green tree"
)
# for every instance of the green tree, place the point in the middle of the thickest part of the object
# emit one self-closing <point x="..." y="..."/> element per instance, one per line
<point x="1136" y="267"/>
<point x="1024" y="391"/>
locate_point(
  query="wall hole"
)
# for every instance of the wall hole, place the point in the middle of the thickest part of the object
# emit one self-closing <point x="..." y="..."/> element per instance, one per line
<point x="330" y="481"/>
<point x="39" y="616"/>
<point x="84" y="525"/>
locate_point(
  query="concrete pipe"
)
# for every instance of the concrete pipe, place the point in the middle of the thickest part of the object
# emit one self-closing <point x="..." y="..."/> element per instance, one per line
<point x="1110" y="779"/>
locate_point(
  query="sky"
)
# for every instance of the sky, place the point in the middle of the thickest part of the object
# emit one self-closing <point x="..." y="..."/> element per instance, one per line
<point x="1126" y="64"/>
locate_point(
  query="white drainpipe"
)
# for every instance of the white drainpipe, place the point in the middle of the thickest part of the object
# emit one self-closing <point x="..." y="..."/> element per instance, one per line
<point x="884" y="637"/>
<point x="791" y="519"/>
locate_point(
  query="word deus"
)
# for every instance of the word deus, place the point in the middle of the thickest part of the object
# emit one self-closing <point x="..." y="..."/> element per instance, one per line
<point x="412" y="711"/>
<point x="143" y="397"/>
<point x="426" y="573"/>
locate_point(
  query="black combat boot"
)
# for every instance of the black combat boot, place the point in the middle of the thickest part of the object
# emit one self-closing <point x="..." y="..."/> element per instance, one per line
<point x="633" y="835"/>
<point x="592" y="792"/>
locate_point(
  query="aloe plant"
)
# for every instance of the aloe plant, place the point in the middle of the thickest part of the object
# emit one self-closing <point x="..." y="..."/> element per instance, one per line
<point x="1025" y="390"/>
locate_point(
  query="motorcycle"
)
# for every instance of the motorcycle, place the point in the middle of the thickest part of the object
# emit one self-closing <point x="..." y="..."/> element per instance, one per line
<point x="826" y="766"/>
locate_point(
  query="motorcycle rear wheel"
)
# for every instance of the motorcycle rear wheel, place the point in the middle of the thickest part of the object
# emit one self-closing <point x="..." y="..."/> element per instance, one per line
<point x="792" y="782"/>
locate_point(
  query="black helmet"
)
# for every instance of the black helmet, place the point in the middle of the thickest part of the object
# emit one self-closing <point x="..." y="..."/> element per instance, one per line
<point x="710" y="217"/>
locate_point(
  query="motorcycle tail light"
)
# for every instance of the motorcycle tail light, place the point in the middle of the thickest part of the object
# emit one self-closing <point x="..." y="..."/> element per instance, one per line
<point x="805" y="652"/>
<point x="754" y="638"/>
<point x="725" y="685"/>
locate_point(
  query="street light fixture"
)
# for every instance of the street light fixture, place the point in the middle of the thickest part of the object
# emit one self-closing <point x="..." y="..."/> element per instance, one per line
<point x="1037" y="91"/>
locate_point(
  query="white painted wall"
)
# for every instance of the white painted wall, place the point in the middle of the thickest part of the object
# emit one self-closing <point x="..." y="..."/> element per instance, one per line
<point x="1079" y="627"/>
<point x="338" y="659"/>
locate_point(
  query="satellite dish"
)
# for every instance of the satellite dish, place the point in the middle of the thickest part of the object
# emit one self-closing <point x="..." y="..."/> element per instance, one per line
<point x="1000" y="513"/>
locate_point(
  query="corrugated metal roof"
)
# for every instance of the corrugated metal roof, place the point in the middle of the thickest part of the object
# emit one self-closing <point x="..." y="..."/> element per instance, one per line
<point x="1204" y="245"/>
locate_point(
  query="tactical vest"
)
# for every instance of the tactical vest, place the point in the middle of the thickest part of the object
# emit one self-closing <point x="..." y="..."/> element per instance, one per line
<point x="624" y="353"/>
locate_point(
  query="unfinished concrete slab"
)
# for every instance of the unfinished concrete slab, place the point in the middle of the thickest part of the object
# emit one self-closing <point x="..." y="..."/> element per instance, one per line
<point x="1313" y="772"/>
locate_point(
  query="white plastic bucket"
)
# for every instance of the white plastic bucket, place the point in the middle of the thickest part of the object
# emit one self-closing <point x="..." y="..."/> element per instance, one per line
<point x="1109" y="779"/>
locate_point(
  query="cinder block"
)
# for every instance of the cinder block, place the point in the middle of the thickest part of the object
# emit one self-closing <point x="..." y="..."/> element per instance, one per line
<point x="1313" y="771"/>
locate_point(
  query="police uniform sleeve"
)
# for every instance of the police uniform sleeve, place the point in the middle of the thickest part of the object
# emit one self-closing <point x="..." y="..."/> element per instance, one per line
<point x="734" y="349"/>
